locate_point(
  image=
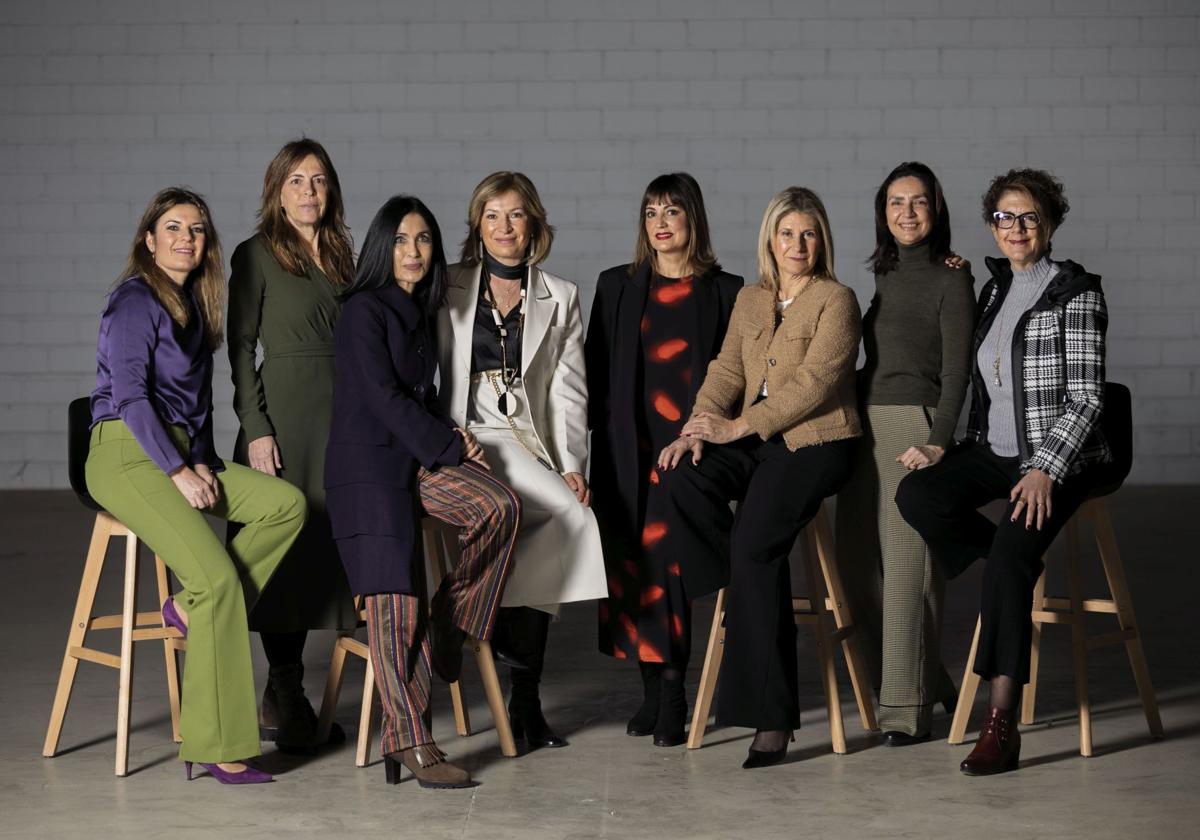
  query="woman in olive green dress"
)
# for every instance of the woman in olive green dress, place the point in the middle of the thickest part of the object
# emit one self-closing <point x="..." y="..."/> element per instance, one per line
<point x="283" y="294"/>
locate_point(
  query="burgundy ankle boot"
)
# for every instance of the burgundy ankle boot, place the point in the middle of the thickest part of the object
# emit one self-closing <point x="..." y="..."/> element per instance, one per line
<point x="998" y="749"/>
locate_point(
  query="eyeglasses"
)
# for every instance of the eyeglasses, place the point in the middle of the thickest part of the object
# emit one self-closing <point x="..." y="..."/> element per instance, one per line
<point x="1004" y="221"/>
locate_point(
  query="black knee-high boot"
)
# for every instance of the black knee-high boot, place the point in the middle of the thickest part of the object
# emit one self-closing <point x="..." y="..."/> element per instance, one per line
<point x="644" y="720"/>
<point x="527" y="631"/>
<point x="672" y="707"/>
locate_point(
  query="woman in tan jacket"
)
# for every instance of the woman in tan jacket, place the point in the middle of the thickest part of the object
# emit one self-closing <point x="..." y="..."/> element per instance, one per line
<point x="771" y="428"/>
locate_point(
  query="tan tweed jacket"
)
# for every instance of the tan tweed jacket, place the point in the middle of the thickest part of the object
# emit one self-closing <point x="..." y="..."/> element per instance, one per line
<point x="808" y="365"/>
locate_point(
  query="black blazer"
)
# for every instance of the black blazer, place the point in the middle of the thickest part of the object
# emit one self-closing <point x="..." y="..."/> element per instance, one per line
<point x="386" y="422"/>
<point x="611" y="352"/>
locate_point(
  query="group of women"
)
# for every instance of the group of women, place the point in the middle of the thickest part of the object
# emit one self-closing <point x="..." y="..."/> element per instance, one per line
<point x="697" y="392"/>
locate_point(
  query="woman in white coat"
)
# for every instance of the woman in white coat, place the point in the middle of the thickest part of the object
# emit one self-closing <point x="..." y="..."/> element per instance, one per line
<point x="511" y="360"/>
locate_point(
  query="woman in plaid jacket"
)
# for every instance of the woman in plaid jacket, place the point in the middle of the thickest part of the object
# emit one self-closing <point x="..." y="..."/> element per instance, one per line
<point x="1033" y="437"/>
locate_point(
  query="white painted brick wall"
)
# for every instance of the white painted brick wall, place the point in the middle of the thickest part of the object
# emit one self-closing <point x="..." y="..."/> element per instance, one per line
<point x="101" y="103"/>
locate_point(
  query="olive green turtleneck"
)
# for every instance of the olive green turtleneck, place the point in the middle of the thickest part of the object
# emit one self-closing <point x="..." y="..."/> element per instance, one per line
<point x="917" y="337"/>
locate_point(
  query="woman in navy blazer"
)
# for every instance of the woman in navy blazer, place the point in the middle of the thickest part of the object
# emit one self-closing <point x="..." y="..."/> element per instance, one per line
<point x="392" y="456"/>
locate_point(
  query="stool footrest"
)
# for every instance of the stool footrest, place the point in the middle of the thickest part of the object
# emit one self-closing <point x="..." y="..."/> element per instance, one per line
<point x="113" y="622"/>
<point x="112" y="660"/>
<point x="1116" y="637"/>
<point x="1092" y="605"/>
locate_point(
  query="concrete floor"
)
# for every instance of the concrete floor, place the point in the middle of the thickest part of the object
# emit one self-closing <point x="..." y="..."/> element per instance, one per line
<point x="606" y="784"/>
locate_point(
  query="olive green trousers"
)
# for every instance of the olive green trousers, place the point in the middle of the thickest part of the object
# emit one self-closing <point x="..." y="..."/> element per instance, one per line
<point x="894" y="588"/>
<point x="218" y="720"/>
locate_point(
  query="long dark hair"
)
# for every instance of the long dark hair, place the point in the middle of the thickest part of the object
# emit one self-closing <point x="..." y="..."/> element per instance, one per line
<point x="333" y="236"/>
<point x="376" y="264"/>
<point x="682" y="190"/>
<point x="887" y="252"/>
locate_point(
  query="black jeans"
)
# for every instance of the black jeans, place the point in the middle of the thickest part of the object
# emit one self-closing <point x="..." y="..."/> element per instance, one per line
<point x="779" y="492"/>
<point x="941" y="503"/>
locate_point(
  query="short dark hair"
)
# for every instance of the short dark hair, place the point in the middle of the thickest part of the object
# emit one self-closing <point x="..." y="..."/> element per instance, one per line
<point x="682" y="190"/>
<point x="887" y="253"/>
<point x="1045" y="191"/>
<point x="376" y="265"/>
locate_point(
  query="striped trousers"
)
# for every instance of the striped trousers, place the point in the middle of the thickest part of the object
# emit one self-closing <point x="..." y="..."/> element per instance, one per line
<point x="487" y="512"/>
<point x="895" y="590"/>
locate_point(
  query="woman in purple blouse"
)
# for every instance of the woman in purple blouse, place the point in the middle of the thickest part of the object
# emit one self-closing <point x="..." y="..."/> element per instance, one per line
<point x="152" y="464"/>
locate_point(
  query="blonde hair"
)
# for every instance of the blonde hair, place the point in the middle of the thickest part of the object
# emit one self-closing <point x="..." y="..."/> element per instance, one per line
<point x="333" y="236"/>
<point x="496" y="184"/>
<point x="210" y="286"/>
<point x="793" y="200"/>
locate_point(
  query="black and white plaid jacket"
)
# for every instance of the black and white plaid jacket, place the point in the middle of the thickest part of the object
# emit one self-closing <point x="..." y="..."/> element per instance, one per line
<point x="1058" y="356"/>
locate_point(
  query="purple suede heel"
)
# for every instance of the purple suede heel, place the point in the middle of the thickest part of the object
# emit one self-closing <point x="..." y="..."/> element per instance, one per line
<point x="249" y="776"/>
<point x="171" y="616"/>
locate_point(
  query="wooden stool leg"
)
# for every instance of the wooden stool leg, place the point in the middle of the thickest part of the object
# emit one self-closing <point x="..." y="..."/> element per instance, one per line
<point x="169" y="652"/>
<point x="362" y="756"/>
<point x="708" y="675"/>
<point x="92" y="567"/>
<point x="128" y="619"/>
<point x="1029" y="695"/>
<point x="966" y="694"/>
<point x="821" y="540"/>
<point x="333" y="690"/>
<point x="436" y="552"/>
<point x="1114" y="571"/>
<point x="1078" y="637"/>
<point x="462" y="719"/>
<point x="495" y="696"/>
<point x="837" y="728"/>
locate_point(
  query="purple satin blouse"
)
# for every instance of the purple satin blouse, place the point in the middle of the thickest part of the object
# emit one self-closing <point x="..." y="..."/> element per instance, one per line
<point x="152" y="373"/>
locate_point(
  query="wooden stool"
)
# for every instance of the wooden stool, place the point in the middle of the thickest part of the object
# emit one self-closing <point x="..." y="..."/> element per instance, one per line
<point x="135" y="626"/>
<point x="437" y="555"/>
<point x="1073" y="610"/>
<point x="821" y="571"/>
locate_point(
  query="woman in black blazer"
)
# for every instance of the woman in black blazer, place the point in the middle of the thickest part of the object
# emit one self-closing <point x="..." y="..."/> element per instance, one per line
<point x="655" y="325"/>
<point x="392" y="456"/>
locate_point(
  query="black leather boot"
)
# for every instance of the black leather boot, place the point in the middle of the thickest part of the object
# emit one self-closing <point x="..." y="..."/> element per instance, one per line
<point x="644" y="719"/>
<point x="527" y="632"/>
<point x="672" y="710"/>
<point x="286" y="717"/>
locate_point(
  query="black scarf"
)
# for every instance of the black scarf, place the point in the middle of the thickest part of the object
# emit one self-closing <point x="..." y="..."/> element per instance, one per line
<point x="498" y="269"/>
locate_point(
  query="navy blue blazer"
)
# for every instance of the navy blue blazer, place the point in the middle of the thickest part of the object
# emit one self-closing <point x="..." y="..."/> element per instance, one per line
<point x="386" y="422"/>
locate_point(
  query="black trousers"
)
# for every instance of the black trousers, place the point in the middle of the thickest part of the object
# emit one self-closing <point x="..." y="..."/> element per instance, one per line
<point x="941" y="502"/>
<point x="779" y="492"/>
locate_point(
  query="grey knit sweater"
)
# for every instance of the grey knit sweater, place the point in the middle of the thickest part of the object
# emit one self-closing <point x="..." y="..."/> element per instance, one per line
<point x="1027" y="287"/>
<point x="917" y="336"/>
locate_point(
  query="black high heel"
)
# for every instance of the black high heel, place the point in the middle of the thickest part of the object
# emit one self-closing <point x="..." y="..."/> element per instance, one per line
<point x="766" y="758"/>
<point x="391" y="770"/>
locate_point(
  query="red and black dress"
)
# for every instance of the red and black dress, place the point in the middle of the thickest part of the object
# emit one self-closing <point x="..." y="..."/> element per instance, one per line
<point x="647" y="615"/>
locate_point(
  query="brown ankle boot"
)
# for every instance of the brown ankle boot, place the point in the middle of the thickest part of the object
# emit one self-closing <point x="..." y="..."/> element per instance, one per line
<point x="998" y="749"/>
<point x="429" y="765"/>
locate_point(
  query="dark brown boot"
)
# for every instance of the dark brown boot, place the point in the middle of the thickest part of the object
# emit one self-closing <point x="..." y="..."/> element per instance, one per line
<point x="998" y="749"/>
<point x="429" y="765"/>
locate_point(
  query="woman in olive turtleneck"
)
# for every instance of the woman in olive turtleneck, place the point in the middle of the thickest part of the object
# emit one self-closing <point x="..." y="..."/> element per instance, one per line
<point x="917" y="337"/>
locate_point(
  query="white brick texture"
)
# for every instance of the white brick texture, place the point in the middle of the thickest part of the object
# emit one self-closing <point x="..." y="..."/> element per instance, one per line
<point x="101" y="103"/>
